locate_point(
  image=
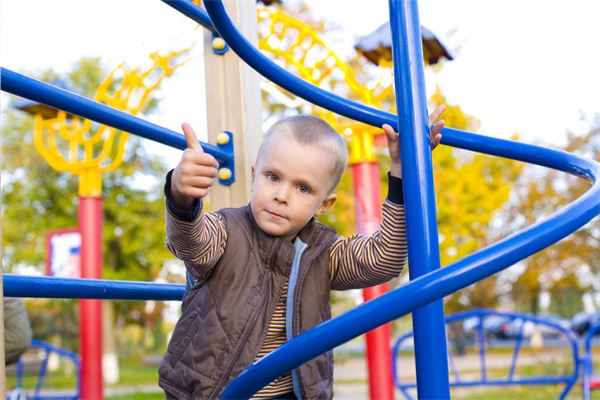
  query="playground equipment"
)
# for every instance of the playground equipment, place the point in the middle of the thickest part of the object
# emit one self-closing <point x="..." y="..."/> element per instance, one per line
<point x="568" y="380"/>
<point x="429" y="284"/>
<point x="46" y="350"/>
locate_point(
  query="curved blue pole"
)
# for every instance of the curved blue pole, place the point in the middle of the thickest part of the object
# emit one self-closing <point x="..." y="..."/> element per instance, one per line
<point x="419" y="292"/>
<point x="21" y="85"/>
<point x="72" y="288"/>
<point x="417" y="179"/>
<point x="452" y="137"/>
<point x="259" y="62"/>
<point x="433" y="285"/>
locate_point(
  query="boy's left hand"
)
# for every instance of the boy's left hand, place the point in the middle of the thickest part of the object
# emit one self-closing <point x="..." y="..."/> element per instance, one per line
<point x="393" y="139"/>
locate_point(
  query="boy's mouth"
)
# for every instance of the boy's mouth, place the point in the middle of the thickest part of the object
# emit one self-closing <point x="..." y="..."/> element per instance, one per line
<point x="274" y="214"/>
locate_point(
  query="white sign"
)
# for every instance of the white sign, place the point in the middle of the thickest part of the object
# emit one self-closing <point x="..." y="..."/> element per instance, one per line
<point x="63" y="259"/>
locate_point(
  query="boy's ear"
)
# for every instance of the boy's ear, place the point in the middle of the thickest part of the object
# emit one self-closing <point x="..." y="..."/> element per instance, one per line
<point x="326" y="205"/>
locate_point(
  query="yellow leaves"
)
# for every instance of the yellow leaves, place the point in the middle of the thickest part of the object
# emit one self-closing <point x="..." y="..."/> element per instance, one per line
<point x="470" y="188"/>
<point x="541" y="193"/>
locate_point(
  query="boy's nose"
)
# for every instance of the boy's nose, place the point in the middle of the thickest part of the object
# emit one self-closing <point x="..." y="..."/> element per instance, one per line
<point x="281" y="195"/>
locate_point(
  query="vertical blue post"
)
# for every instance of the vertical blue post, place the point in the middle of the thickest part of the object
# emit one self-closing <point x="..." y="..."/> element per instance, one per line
<point x="428" y="322"/>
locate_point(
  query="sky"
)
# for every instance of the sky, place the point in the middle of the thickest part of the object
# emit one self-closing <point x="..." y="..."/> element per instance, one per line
<point x="527" y="67"/>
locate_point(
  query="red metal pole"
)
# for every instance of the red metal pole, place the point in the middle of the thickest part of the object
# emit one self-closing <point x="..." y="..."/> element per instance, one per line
<point x="368" y="217"/>
<point x="90" y="323"/>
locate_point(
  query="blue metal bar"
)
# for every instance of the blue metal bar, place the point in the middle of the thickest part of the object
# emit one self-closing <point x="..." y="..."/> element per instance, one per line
<point x="516" y="351"/>
<point x="453" y="367"/>
<point x="21" y="85"/>
<point x="41" y="374"/>
<point x="72" y="288"/>
<point x="192" y="11"/>
<point x="433" y="285"/>
<point x="417" y="179"/>
<point x="262" y="64"/>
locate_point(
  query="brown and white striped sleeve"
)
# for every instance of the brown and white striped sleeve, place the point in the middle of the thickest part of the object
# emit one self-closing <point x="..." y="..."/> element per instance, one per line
<point x="196" y="238"/>
<point x="199" y="243"/>
<point x="362" y="261"/>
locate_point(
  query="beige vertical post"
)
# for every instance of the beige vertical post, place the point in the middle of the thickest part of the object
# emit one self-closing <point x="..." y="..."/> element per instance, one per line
<point x="233" y="103"/>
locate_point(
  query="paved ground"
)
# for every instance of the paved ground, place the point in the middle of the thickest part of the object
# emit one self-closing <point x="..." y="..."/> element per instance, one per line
<point x="350" y="379"/>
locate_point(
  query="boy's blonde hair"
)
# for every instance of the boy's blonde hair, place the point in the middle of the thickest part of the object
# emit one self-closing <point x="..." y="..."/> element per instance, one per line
<point x="309" y="130"/>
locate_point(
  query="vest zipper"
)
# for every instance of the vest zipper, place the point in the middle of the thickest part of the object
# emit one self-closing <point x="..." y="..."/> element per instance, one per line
<point x="296" y="372"/>
<point x="242" y="342"/>
<point x="299" y="248"/>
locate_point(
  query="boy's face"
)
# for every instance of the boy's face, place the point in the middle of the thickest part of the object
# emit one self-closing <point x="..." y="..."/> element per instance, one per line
<point x="290" y="185"/>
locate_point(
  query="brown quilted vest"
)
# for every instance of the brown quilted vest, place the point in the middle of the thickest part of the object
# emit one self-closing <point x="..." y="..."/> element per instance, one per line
<point x="226" y="315"/>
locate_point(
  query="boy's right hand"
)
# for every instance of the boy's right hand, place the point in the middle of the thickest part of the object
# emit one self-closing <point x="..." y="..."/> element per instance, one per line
<point x="194" y="174"/>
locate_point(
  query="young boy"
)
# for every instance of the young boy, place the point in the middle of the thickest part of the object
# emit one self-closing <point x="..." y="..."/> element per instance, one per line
<point x="262" y="273"/>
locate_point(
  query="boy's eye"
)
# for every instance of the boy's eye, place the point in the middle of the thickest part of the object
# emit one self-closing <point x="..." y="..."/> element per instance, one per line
<point x="303" y="189"/>
<point x="272" y="177"/>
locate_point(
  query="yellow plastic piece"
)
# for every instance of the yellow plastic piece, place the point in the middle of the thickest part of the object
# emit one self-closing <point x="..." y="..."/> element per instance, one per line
<point x="302" y="50"/>
<point x="218" y="43"/>
<point x="222" y="138"/>
<point x="87" y="149"/>
<point x="361" y="149"/>
<point x="224" y="174"/>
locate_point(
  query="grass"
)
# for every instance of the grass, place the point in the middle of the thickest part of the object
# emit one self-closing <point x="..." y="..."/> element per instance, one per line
<point x="130" y="375"/>
<point x="523" y="392"/>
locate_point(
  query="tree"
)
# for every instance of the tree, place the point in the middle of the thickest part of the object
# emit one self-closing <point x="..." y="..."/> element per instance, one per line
<point x="565" y="296"/>
<point x="572" y="262"/>
<point x="36" y="199"/>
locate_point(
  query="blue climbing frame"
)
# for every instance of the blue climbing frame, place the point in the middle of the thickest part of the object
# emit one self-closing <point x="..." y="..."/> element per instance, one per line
<point x="566" y="379"/>
<point x="429" y="284"/>
<point x="37" y="394"/>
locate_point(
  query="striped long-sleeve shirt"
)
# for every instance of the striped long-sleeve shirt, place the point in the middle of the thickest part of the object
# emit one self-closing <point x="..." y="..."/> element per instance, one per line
<point x="354" y="262"/>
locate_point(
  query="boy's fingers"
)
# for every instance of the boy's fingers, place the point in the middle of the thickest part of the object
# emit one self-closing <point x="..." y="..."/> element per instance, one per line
<point x="389" y="131"/>
<point x="436" y="114"/>
<point x="190" y="137"/>
<point x="437" y="127"/>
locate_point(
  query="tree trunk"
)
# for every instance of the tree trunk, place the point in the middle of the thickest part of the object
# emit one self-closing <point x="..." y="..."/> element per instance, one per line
<point x="110" y="358"/>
